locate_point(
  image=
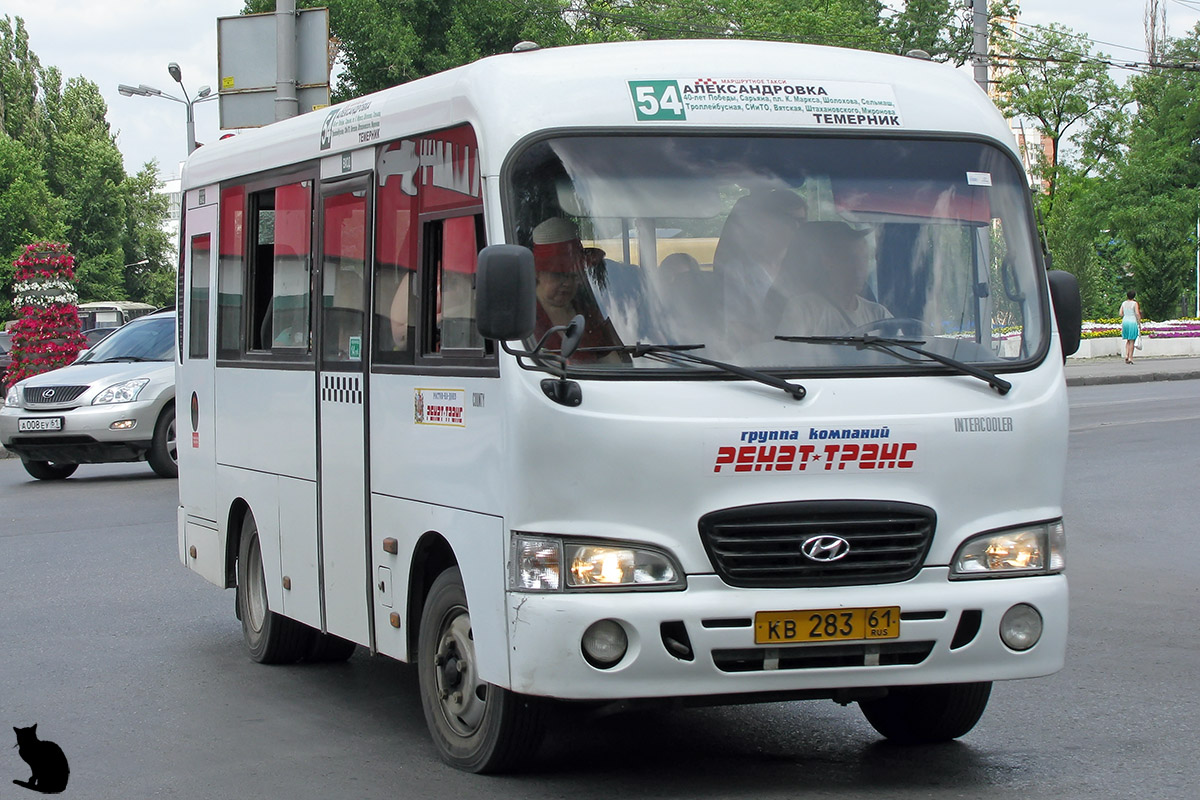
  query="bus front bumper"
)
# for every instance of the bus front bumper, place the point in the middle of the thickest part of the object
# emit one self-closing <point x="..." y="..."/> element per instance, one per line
<point x="949" y="633"/>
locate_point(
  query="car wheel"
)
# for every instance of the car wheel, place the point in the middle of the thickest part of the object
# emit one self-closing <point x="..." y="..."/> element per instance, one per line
<point x="927" y="714"/>
<point x="475" y="726"/>
<point x="164" y="452"/>
<point x="49" y="471"/>
<point x="270" y="637"/>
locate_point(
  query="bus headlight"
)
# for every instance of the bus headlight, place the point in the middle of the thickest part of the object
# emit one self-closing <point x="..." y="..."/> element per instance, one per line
<point x="1028" y="550"/>
<point x="551" y="564"/>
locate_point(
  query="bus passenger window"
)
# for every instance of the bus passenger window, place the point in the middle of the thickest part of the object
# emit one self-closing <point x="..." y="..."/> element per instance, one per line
<point x="451" y="251"/>
<point x="342" y="298"/>
<point x="230" y="271"/>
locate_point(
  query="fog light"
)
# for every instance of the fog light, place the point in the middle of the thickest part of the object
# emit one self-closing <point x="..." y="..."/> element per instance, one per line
<point x="123" y="424"/>
<point x="604" y="643"/>
<point x="1021" y="627"/>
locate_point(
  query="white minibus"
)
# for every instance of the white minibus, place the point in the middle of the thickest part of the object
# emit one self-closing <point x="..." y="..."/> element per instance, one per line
<point x="658" y="372"/>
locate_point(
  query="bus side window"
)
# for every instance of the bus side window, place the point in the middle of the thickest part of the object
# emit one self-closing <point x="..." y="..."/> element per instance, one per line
<point x="343" y="264"/>
<point x="230" y="272"/>
<point x="198" y="319"/>
<point x="450" y="254"/>
<point x="280" y="267"/>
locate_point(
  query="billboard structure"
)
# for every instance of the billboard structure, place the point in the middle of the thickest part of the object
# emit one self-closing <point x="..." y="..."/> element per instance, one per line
<point x="247" y="62"/>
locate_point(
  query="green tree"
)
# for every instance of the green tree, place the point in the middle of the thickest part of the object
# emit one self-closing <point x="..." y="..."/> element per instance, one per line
<point x="28" y="211"/>
<point x="1054" y="79"/>
<point x="84" y="168"/>
<point x="383" y="44"/>
<point x="145" y="240"/>
<point x="21" y="113"/>
<point x="1159" y="180"/>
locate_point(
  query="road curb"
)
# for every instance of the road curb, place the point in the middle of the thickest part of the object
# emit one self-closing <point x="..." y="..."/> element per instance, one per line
<point x="1143" y="377"/>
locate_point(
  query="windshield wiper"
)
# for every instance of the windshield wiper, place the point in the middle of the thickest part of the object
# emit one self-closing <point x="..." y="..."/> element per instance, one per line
<point x="122" y="358"/>
<point x="674" y="353"/>
<point x="886" y="344"/>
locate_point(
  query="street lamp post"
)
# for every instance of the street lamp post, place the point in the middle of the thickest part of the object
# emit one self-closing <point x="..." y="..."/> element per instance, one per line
<point x="205" y="93"/>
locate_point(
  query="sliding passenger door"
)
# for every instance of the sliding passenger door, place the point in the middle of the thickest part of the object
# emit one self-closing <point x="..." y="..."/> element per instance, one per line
<point x="344" y="249"/>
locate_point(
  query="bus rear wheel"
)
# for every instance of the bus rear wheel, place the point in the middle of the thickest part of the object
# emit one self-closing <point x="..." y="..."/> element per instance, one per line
<point x="927" y="714"/>
<point x="270" y="638"/>
<point x="475" y="726"/>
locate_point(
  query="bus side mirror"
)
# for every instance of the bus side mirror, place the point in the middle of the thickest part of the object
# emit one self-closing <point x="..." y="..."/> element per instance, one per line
<point x="505" y="292"/>
<point x="1068" y="309"/>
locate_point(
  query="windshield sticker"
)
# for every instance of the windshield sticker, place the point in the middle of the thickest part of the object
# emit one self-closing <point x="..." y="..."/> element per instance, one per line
<point x="818" y="452"/>
<point x="439" y="407"/>
<point x="793" y="102"/>
<point x="979" y="179"/>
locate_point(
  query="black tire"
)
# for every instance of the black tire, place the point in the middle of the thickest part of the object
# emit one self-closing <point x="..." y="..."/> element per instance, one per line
<point x="475" y="726"/>
<point x="928" y="714"/>
<point x="49" y="471"/>
<point x="270" y="638"/>
<point x="164" y="451"/>
<point x="328" y="649"/>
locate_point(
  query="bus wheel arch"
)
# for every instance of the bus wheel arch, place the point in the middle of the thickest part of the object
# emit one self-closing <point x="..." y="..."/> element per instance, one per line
<point x="238" y="510"/>
<point x="432" y="556"/>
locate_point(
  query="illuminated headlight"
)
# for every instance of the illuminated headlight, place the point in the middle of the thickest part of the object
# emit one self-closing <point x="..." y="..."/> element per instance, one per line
<point x="125" y="392"/>
<point x="550" y="564"/>
<point x="1028" y="550"/>
<point x="13" y="398"/>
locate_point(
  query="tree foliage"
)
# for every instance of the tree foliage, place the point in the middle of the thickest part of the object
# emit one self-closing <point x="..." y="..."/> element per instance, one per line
<point x="1054" y="79"/>
<point x="62" y="178"/>
<point x="1159" y="179"/>
<point x="381" y="44"/>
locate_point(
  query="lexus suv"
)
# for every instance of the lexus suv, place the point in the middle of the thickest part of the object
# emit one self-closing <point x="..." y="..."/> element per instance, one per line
<point x="116" y="403"/>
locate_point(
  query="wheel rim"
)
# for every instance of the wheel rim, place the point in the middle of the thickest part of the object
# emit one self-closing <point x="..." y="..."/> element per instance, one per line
<point x="461" y="696"/>
<point x="256" y="589"/>
<point x="172" y="447"/>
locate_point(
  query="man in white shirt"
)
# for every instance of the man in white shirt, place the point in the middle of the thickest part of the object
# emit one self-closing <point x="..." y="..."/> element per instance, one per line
<point x="831" y="261"/>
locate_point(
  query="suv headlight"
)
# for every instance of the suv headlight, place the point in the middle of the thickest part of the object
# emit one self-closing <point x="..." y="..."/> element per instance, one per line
<point x="13" y="398"/>
<point x="552" y="564"/>
<point x="1039" y="549"/>
<point x="125" y="392"/>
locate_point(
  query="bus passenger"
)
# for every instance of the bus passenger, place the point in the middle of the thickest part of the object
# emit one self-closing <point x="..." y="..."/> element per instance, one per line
<point x="563" y="291"/>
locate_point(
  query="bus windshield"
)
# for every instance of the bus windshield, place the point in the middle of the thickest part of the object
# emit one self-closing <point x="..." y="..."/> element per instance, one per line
<point x="774" y="252"/>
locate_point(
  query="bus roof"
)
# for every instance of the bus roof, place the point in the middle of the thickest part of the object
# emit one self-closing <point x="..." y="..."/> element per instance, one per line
<point x="627" y="85"/>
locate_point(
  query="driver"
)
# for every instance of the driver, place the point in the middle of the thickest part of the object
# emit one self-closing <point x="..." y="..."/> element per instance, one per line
<point x="828" y="264"/>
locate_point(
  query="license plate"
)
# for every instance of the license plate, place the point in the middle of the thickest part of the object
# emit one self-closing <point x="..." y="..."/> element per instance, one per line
<point x="40" y="424"/>
<point x="826" y="625"/>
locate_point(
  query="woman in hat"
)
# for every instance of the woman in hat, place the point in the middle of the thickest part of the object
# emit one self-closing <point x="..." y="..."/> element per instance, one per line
<point x="562" y="293"/>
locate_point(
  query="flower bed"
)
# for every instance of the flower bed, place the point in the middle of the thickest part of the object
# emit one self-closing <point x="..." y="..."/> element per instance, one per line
<point x="1169" y="329"/>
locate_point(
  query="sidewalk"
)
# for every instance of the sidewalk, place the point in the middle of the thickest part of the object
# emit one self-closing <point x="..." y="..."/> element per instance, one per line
<point x="1096" y="371"/>
<point x="1113" y="369"/>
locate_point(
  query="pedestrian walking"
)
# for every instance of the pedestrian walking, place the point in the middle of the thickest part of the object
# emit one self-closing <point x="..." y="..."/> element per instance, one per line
<point x="1131" y="321"/>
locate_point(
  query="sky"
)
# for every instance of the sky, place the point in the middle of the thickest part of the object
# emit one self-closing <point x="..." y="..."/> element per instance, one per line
<point x="132" y="41"/>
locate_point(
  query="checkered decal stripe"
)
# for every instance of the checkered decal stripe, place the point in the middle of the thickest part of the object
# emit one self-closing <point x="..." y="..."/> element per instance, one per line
<point x="342" y="389"/>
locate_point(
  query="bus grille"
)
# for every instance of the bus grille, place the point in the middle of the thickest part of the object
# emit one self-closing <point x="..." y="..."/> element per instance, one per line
<point x="760" y="546"/>
<point x="52" y="395"/>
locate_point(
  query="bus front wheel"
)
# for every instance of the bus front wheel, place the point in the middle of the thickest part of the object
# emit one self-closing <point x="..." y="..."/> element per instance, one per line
<point x="475" y="726"/>
<point x="270" y="638"/>
<point x="927" y="714"/>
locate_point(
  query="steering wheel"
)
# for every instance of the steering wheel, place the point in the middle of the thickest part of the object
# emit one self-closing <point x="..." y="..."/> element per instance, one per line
<point x="892" y="326"/>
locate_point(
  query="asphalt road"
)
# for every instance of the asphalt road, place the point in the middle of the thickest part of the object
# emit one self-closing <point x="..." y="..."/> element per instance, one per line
<point x="135" y="666"/>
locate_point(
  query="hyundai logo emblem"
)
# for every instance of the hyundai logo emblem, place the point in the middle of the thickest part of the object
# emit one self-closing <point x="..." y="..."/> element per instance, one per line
<point x="48" y="393"/>
<point x="825" y="548"/>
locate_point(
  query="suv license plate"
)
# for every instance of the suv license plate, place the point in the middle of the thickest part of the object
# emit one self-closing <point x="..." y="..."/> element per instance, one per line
<point x="826" y="625"/>
<point x="40" y="424"/>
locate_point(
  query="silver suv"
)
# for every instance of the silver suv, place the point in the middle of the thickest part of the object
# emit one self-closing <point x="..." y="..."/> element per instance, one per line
<point x="116" y="403"/>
